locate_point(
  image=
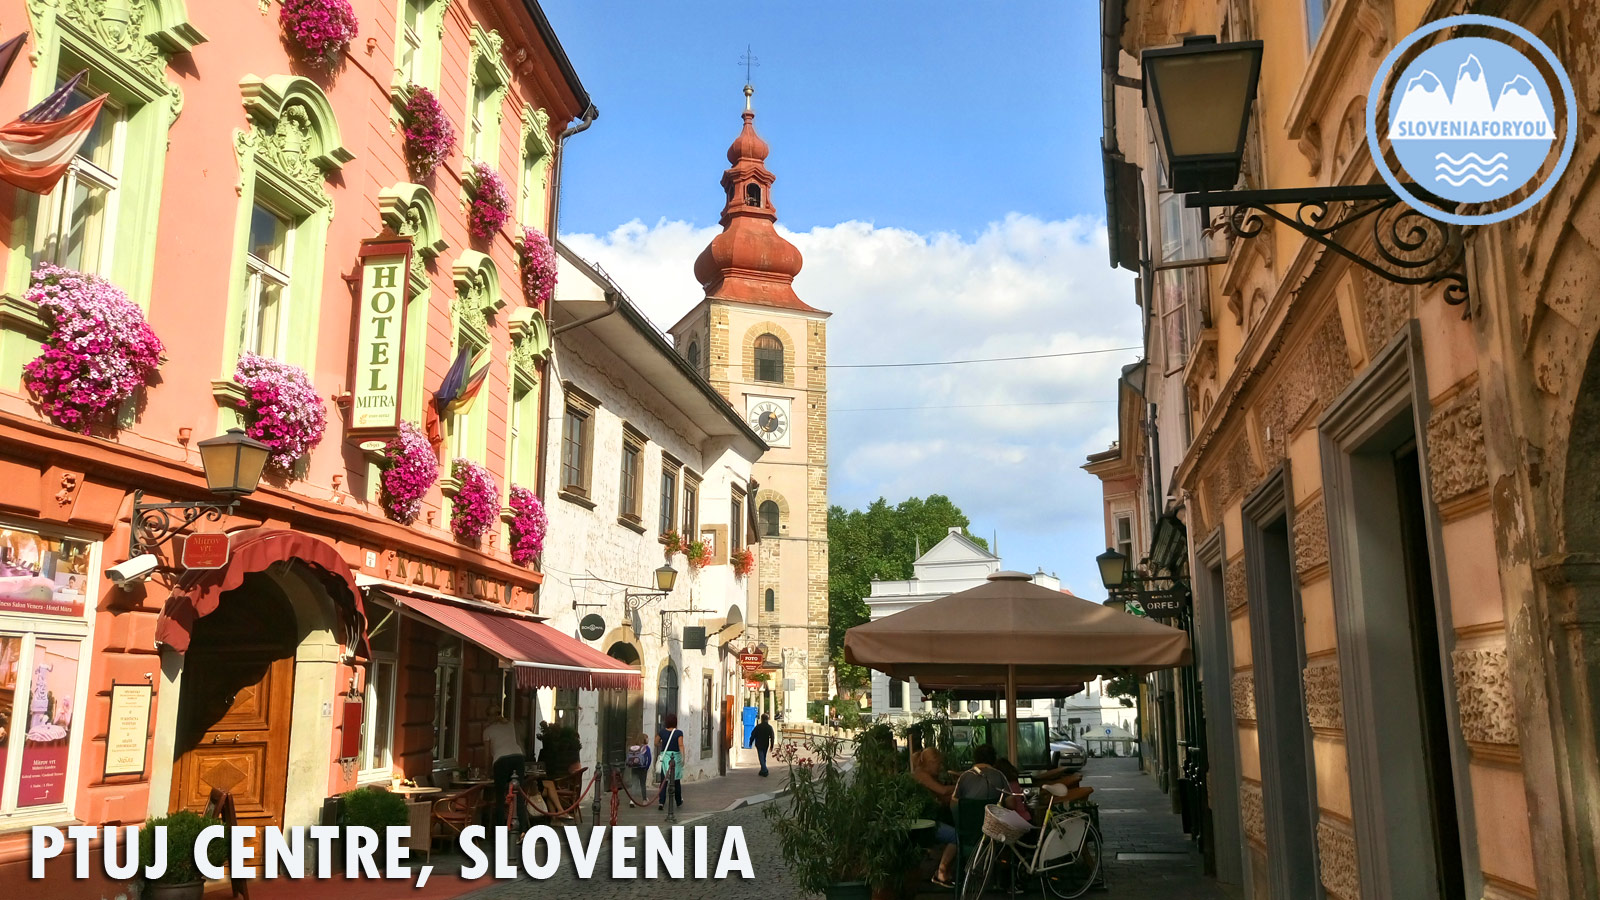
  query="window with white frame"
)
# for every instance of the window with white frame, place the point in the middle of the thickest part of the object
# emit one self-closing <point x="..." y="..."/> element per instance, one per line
<point x="897" y="694"/>
<point x="44" y="668"/>
<point x="77" y="220"/>
<point x="447" y="704"/>
<point x="408" y="58"/>
<point x="266" y="291"/>
<point x="377" y="718"/>
<point x="1125" y="536"/>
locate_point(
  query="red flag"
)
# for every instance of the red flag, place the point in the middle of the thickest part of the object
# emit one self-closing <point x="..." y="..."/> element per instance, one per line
<point x="34" y="155"/>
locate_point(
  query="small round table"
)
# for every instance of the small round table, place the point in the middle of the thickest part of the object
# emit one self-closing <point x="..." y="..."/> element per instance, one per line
<point x="922" y="831"/>
<point x="414" y="791"/>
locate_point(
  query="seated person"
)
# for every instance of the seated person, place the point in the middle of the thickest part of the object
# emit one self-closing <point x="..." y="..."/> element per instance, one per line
<point x="1014" y="787"/>
<point x="983" y="781"/>
<point x="926" y="767"/>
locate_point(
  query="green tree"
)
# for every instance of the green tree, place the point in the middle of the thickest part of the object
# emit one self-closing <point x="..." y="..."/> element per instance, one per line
<point x="1125" y="687"/>
<point x="879" y="542"/>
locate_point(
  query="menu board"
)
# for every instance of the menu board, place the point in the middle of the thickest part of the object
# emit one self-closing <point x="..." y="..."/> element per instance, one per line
<point x="128" y="730"/>
<point x="42" y="575"/>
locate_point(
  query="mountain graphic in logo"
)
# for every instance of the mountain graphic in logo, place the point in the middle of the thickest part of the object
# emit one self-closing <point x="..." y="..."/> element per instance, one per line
<point x="1479" y="136"/>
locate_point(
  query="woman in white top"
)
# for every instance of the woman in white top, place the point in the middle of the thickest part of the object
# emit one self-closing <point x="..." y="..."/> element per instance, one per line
<point x="506" y="751"/>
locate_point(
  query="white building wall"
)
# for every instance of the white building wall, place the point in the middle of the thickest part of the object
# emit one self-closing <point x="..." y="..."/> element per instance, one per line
<point x="586" y="545"/>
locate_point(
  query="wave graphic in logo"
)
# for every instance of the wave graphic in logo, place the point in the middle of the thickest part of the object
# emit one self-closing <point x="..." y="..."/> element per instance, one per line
<point x="1471" y="167"/>
<point x="1473" y="118"/>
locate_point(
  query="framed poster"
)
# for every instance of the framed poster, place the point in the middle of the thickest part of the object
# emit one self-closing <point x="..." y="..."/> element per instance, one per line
<point x="129" y="728"/>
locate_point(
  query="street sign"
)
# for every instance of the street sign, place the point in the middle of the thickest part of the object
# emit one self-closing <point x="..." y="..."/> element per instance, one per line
<point x="592" y="627"/>
<point x="1165" y="607"/>
<point x="1108" y="732"/>
<point x="752" y="686"/>
<point x="205" y="551"/>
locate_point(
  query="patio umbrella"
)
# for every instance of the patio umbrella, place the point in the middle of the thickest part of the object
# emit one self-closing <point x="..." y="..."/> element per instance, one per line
<point x="1013" y="633"/>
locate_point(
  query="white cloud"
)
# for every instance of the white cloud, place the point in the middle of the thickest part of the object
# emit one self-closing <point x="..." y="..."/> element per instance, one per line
<point x="1023" y="286"/>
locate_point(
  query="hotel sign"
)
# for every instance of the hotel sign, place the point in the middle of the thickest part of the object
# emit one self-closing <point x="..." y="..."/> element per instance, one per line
<point x="377" y="352"/>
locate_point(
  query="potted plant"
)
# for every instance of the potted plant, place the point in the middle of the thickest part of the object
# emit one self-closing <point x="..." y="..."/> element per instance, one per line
<point x="744" y="561"/>
<point x="671" y="542"/>
<point x="373" y="807"/>
<point x="559" y="747"/>
<point x="182" y="879"/>
<point x="845" y="832"/>
<point x="697" y="553"/>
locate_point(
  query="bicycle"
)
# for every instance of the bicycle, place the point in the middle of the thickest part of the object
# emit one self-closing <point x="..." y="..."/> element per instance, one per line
<point x="1065" y="850"/>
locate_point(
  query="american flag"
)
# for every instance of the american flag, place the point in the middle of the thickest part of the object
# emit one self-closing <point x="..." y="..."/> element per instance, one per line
<point x="37" y="148"/>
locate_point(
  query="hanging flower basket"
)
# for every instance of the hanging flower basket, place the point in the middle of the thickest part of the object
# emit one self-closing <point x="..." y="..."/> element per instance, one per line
<point x="282" y="411"/>
<point x="698" y="554"/>
<point x="528" y="526"/>
<point x="744" y="562"/>
<point x="671" y="543"/>
<point x="476" y="504"/>
<point x="491" y="202"/>
<point x="99" y="350"/>
<point x="538" y="267"/>
<point x="409" y="467"/>
<point x="428" y="133"/>
<point x="319" y="28"/>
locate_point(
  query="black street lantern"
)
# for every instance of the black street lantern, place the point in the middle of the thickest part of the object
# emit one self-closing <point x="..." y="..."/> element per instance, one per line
<point x="666" y="577"/>
<point x="1199" y="95"/>
<point x="233" y="462"/>
<point x="1113" y="569"/>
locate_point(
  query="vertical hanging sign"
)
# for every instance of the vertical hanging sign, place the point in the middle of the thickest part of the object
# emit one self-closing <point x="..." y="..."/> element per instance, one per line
<point x="377" y="351"/>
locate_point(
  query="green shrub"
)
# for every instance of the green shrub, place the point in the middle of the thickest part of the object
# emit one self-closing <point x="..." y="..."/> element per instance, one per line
<point x="849" y="713"/>
<point x="374" y="807"/>
<point x="182" y="828"/>
<point x="814" y="711"/>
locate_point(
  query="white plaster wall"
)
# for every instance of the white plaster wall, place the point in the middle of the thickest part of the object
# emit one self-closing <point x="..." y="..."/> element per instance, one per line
<point x="585" y="543"/>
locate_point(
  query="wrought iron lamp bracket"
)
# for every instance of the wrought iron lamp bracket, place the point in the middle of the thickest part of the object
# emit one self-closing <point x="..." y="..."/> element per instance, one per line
<point x="1408" y="247"/>
<point x="153" y="524"/>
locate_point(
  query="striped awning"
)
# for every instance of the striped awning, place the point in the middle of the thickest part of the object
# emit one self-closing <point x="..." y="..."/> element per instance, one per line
<point x="540" y="655"/>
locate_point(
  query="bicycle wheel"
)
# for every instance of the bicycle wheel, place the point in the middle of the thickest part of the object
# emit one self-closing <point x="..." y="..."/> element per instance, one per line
<point x="1076" y="877"/>
<point x="979" y="869"/>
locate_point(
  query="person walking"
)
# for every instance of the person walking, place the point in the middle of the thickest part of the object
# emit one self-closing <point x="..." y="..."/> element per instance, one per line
<point x="639" y="764"/>
<point x="761" y="737"/>
<point x="669" y="744"/>
<point x="506" y="751"/>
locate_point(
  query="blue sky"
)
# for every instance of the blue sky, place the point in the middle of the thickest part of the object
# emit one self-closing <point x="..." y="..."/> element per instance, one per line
<point x="938" y="167"/>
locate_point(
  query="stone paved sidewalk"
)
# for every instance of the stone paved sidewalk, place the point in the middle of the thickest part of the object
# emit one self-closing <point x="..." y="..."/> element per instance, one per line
<point x="1136" y="818"/>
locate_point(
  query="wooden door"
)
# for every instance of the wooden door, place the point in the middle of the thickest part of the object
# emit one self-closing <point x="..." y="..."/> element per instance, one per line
<point x="234" y="713"/>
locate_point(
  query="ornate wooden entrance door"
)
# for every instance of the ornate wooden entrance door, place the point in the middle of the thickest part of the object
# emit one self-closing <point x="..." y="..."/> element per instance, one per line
<point x="234" y="715"/>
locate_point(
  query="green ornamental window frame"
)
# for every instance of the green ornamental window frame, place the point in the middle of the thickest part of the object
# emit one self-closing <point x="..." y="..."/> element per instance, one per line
<point x="410" y="210"/>
<point x="478" y="297"/>
<point x="487" y="65"/>
<point x="430" y="53"/>
<point x="538" y="153"/>
<point x="284" y="158"/>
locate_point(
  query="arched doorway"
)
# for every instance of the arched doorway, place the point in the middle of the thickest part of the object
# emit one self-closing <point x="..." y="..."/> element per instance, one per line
<point x="666" y="695"/>
<point x="255" y="672"/>
<point x="621" y="712"/>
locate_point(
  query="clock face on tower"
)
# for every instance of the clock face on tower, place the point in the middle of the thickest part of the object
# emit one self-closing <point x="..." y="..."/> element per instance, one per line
<point x="770" y="419"/>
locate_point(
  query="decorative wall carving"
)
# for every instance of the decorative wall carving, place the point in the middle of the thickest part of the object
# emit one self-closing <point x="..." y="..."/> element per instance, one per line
<point x="1456" y="462"/>
<point x="1235" y="473"/>
<point x="1336" y="853"/>
<point x="1385" y="307"/>
<point x="1483" y="693"/>
<point x="136" y="37"/>
<point x="1233" y="585"/>
<point x="1324" y="703"/>
<point x="1251" y="815"/>
<point x="1311" y="537"/>
<point x="1244" y="696"/>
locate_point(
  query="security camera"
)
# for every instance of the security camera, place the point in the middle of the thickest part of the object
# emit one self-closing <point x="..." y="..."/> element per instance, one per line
<point x="126" y="574"/>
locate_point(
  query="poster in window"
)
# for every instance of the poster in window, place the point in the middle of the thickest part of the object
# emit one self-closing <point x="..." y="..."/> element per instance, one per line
<point x="128" y="729"/>
<point x="50" y="686"/>
<point x="42" y="576"/>
<point x="10" y="663"/>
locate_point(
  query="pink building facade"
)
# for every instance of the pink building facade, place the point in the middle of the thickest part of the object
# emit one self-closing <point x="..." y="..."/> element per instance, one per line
<point x="227" y="190"/>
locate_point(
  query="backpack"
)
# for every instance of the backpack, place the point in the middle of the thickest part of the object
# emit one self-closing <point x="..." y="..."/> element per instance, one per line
<point x="636" y="755"/>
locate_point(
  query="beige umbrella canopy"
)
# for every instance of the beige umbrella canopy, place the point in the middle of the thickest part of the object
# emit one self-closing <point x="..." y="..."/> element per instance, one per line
<point x="1012" y="633"/>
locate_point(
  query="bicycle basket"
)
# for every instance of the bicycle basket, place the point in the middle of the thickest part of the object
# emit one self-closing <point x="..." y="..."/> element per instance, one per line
<point x="1004" y="825"/>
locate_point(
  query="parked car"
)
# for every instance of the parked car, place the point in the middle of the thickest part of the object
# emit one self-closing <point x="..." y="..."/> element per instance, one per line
<point x="1067" y="754"/>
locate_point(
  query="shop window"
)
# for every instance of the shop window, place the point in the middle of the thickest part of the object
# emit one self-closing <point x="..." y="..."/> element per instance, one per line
<point x="77" y="220"/>
<point x="377" y="719"/>
<point x="447" y="704"/>
<point x="44" y="581"/>
<point x="769" y="358"/>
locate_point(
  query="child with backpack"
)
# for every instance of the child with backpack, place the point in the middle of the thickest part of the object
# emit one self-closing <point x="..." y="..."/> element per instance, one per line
<point x="639" y="765"/>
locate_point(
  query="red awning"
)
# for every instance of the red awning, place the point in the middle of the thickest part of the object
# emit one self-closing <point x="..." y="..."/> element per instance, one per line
<point x="541" y="655"/>
<point x="200" y="591"/>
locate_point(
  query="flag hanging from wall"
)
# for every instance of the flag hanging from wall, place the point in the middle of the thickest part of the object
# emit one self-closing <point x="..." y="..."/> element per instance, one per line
<point x="457" y="390"/>
<point x="37" y="149"/>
